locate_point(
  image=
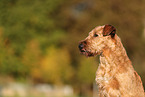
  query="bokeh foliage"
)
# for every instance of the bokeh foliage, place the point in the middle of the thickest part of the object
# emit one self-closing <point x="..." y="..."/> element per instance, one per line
<point x="39" y="38"/>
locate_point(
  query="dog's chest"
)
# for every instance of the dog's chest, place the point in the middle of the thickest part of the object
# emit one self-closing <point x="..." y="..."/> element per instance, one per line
<point x="105" y="72"/>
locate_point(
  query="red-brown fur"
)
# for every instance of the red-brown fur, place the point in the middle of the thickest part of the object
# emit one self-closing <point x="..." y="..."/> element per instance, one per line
<point x="115" y="76"/>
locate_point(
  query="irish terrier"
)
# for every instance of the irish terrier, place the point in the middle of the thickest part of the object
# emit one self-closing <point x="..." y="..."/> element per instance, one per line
<point x="115" y="76"/>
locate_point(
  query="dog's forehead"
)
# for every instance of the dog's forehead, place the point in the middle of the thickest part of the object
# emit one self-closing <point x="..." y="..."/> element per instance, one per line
<point x="98" y="30"/>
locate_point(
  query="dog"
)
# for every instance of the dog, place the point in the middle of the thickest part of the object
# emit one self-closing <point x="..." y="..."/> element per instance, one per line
<point x="115" y="75"/>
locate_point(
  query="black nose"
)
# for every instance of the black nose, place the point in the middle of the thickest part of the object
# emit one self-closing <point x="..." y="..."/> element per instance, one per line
<point x="81" y="46"/>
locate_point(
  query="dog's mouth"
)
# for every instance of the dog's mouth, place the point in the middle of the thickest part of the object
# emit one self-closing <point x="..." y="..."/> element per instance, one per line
<point x="88" y="53"/>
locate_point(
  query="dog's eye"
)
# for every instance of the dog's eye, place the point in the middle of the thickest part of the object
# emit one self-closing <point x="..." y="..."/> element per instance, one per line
<point x="95" y="35"/>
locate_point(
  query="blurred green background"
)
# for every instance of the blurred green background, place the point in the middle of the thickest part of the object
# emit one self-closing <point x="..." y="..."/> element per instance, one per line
<point x="39" y="43"/>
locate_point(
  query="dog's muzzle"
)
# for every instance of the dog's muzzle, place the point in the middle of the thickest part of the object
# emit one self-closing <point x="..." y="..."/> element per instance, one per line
<point x="83" y="50"/>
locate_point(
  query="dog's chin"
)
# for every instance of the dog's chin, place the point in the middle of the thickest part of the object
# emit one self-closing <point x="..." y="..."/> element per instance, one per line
<point x="88" y="53"/>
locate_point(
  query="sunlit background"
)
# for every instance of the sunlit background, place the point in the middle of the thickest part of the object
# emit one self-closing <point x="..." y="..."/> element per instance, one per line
<point x="39" y="54"/>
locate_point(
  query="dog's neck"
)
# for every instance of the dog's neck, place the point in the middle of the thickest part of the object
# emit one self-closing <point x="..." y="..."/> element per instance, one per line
<point x="114" y="54"/>
<point x="111" y="59"/>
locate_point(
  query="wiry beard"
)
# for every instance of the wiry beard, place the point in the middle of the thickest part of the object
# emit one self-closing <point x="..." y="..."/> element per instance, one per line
<point x="88" y="53"/>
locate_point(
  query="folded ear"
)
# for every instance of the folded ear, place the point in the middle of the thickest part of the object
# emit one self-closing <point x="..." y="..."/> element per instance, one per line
<point x="109" y="30"/>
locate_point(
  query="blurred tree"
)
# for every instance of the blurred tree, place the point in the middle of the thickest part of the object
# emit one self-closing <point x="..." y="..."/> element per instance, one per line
<point x="86" y="74"/>
<point x="9" y="65"/>
<point x="22" y="22"/>
<point x="31" y="57"/>
<point x="55" y="67"/>
<point x="86" y="70"/>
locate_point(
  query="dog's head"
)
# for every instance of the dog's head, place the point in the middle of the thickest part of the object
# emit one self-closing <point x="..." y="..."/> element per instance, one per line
<point x="99" y="38"/>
